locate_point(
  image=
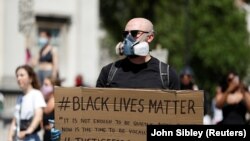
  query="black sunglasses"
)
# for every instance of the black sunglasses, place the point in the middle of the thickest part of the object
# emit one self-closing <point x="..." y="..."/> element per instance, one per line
<point x="133" y="33"/>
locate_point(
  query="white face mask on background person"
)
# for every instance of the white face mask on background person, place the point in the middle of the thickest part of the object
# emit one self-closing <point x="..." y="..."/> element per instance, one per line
<point x="42" y="41"/>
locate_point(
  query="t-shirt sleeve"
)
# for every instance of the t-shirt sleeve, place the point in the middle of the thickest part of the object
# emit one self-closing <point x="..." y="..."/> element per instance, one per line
<point x="39" y="100"/>
<point x="174" y="82"/>
<point x="103" y="76"/>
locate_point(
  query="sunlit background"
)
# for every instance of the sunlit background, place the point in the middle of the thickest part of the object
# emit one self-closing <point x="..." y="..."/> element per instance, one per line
<point x="212" y="37"/>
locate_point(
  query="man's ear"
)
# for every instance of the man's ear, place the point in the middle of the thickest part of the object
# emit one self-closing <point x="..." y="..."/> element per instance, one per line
<point x="150" y="38"/>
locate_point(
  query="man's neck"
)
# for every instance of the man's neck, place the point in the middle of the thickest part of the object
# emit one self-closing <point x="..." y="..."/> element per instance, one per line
<point x="140" y="59"/>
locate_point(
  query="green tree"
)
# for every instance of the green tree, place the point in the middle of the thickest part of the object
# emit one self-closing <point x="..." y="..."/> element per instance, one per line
<point x="210" y="36"/>
<point x="218" y="41"/>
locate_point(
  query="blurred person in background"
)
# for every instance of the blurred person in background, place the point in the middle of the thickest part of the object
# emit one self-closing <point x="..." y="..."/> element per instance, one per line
<point x="79" y="81"/>
<point x="187" y="83"/>
<point x="29" y="108"/>
<point x="234" y="100"/>
<point x="186" y="79"/>
<point x="47" y="59"/>
<point x="47" y="90"/>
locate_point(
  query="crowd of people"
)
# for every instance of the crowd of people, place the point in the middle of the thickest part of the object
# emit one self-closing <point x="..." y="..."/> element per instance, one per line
<point x="36" y="105"/>
<point x="136" y="66"/>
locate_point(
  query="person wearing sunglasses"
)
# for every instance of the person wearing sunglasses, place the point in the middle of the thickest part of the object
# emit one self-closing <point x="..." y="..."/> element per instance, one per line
<point x="233" y="99"/>
<point x="138" y="69"/>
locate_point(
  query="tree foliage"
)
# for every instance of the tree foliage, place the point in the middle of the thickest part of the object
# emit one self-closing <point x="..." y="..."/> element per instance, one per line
<point x="210" y="36"/>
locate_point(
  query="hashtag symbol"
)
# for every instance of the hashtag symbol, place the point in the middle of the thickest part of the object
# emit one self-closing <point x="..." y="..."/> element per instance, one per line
<point x="64" y="103"/>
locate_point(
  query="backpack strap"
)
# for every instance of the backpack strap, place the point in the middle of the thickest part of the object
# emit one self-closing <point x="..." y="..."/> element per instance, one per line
<point x="164" y="74"/>
<point x="112" y="72"/>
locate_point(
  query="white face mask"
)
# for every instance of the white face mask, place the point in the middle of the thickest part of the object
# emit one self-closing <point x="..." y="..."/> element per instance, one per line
<point x="141" y="49"/>
<point x="42" y="41"/>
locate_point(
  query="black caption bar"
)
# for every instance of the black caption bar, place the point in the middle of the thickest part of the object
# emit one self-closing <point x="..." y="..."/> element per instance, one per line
<point x="198" y="132"/>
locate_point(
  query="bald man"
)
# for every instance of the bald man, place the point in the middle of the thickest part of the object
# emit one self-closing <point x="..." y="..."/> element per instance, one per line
<point x="138" y="69"/>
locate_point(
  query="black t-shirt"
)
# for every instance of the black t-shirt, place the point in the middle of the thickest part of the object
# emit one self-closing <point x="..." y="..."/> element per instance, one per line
<point x="234" y="113"/>
<point x="129" y="75"/>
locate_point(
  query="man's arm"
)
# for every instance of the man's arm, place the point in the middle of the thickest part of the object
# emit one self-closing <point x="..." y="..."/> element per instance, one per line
<point x="103" y="76"/>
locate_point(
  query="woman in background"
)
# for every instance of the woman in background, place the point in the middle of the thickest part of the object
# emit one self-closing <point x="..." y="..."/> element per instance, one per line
<point x="234" y="100"/>
<point x="47" y="59"/>
<point x="48" y="112"/>
<point x="29" y="108"/>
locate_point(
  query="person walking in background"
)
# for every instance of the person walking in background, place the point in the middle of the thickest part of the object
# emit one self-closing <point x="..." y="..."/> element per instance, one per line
<point x="29" y="108"/>
<point x="138" y="69"/>
<point x="47" y="59"/>
<point x="47" y="90"/>
<point x="234" y="100"/>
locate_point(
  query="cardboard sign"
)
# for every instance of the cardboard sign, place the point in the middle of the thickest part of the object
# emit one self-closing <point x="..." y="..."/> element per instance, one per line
<point x="109" y="114"/>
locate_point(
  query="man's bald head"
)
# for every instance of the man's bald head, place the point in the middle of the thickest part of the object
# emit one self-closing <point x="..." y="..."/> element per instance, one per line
<point x="139" y="24"/>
